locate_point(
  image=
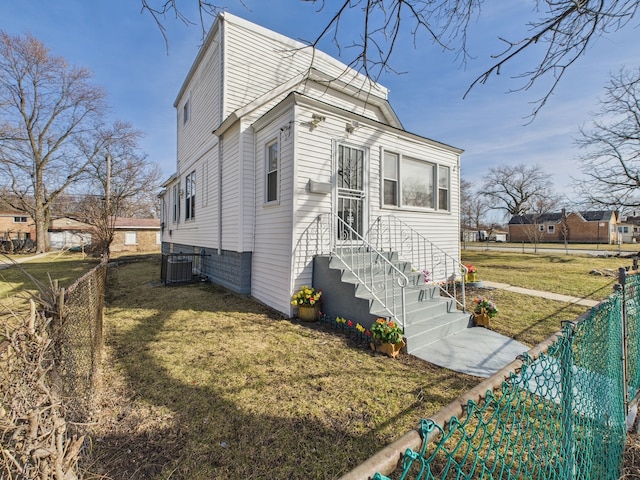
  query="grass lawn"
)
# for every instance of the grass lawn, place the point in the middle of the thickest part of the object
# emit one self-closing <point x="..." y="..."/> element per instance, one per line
<point x="201" y="383"/>
<point x="558" y="273"/>
<point x="66" y="268"/>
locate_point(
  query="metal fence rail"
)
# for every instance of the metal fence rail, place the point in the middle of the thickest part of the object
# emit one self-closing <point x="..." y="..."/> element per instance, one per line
<point x="558" y="412"/>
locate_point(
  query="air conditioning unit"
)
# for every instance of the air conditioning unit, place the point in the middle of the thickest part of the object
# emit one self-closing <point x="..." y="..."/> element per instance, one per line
<point x="179" y="270"/>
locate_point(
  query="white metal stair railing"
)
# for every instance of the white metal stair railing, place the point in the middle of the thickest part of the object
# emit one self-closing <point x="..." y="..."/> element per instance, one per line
<point x="370" y="268"/>
<point x="388" y="233"/>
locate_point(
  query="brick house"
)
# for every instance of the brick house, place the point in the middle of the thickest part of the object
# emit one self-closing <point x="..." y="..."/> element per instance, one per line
<point x="136" y="235"/>
<point x="599" y="226"/>
<point x="16" y="225"/>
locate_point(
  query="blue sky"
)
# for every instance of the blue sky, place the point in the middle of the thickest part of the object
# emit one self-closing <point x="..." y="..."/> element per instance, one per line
<point x="128" y="56"/>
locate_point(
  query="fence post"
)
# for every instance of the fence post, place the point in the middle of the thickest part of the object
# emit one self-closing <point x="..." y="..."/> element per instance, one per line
<point x="621" y="286"/>
<point x="566" y="387"/>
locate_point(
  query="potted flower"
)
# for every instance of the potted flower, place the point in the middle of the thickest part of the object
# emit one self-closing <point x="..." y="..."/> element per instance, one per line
<point x="484" y="310"/>
<point x="307" y="299"/>
<point x="471" y="275"/>
<point x="387" y="337"/>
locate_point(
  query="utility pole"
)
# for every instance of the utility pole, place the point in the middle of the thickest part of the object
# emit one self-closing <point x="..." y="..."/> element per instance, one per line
<point x="108" y="186"/>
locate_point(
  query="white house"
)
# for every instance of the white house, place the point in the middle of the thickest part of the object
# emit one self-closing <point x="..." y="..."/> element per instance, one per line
<point x="285" y="153"/>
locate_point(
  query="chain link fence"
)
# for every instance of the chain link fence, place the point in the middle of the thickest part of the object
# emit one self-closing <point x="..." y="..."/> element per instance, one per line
<point x="558" y="412"/>
<point x="78" y="337"/>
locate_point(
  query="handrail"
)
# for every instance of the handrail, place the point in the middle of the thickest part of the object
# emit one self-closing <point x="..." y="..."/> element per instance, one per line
<point x="373" y="270"/>
<point x="392" y="234"/>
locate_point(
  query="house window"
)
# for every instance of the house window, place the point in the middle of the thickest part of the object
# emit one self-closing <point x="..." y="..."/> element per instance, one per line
<point x="443" y="188"/>
<point x="541" y="228"/>
<point x="130" y="238"/>
<point x="272" y="172"/>
<point x="390" y="179"/>
<point x="20" y="219"/>
<point x="176" y="203"/>
<point x="190" y="196"/>
<point x="410" y="182"/>
<point x="186" y="111"/>
<point x="551" y="229"/>
<point x="417" y="183"/>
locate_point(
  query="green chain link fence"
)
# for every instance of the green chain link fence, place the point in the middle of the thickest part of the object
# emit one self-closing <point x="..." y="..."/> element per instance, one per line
<point x="562" y="415"/>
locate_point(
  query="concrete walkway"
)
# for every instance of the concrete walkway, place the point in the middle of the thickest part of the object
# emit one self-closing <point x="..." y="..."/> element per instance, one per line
<point x="482" y="352"/>
<point x="6" y="263"/>
<point x="585" y="302"/>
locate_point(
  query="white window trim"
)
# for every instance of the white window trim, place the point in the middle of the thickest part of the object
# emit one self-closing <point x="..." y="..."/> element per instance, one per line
<point x="186" y="110"/>
<point x="190" y="197"/>
<point x="267" y="172"/>
<point x="551" y="229"/>
<point x="436" y="188"/>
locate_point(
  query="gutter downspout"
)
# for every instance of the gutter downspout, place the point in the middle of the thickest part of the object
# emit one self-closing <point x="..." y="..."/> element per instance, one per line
<point x="221" y="55"/>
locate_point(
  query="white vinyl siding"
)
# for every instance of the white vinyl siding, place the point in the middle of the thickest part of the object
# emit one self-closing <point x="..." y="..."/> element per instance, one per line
<point x="258" y="60"/>
<point x="271" y="260"/>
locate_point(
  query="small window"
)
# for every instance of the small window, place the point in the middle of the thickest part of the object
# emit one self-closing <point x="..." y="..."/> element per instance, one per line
<point x="176" y="203"/>
<point x="272" y="172"/>
<point x="130" y="238"/>
<point x="551" y="229"/>
<point x="20" y="219"/>
<point x="541" y="228"/>
<point x="186" y="111"/>
<point x="390" y="176"/>
<point x="443" y="188"/>
<point x="190" y="196"/>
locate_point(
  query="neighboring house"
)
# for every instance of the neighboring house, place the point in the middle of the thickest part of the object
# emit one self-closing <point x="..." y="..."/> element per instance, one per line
<point x="285" y="153"/>
<point x="65" y="233"/>
<point x="17" y="231"/>
<point x="629" y="229"/>
<point x="574" y="227"/>
<point x="16" y="225"/>
<point x="136" y="235"/>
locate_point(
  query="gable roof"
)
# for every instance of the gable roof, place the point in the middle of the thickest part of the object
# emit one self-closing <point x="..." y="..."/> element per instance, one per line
<point x="556" y="217"/>
<point x="529" y="219"/>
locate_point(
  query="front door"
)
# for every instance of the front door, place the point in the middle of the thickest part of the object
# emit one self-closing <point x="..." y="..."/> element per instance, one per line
<point x="351" y="204"/>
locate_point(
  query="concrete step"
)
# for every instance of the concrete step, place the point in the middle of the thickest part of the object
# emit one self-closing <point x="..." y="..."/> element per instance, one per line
<point x="420" y="334"/>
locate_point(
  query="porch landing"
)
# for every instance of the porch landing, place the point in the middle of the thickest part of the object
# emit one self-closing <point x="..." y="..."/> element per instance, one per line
<point x="475" y="351"/>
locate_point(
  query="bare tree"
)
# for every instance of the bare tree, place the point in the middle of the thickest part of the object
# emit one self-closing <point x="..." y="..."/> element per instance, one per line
<point x="518" y="189"/>
<point x="611" y="158"/>
<point x="47" y="109"/>
<point x="120" y="181"/>
<point x="558" y="32"/>
<point x="473" y="206"/>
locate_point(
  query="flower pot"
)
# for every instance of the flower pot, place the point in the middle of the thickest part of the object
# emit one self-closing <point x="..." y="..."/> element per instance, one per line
<point x="390" y="349"/>
<point x="308" y="313"/>
<point x="471" y="277"/>
<point x="481" y="319"/>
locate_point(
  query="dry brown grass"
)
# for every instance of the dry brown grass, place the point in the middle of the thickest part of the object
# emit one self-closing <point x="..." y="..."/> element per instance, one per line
<point x="201" y="383"/>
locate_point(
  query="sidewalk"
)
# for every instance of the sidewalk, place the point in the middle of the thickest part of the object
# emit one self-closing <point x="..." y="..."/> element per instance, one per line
<point x="6" y="263"/>
<point x="585" y="302"/>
